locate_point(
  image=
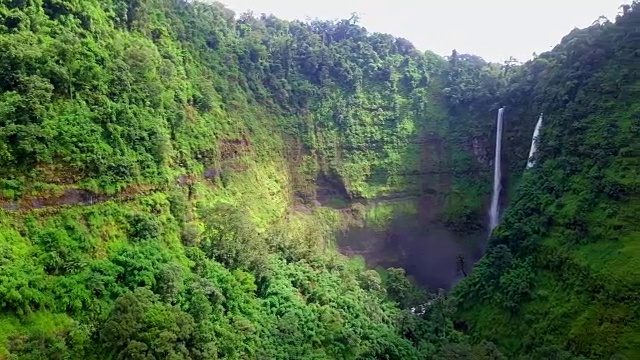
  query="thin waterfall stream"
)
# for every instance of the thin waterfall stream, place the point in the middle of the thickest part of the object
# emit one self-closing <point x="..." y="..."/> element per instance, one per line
<point x="494" y="211"/>
<point x="534" y="143"/>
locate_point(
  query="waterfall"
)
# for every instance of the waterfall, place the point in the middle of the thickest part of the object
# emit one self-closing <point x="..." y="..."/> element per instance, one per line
<point x="494" y="211"/>
<point x="534" y="142"/>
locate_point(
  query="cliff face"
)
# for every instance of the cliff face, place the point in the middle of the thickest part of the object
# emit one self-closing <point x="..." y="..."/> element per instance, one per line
<point x="188" y="93"/>
<point x="172" y="179"/>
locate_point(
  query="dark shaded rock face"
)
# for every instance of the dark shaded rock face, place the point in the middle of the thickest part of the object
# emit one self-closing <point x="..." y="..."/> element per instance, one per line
<point x="211" y="173"/>
<point x="71" y="196"/>
<point x="440" y="185"/>
<point x="330" y="188"/>
<point x="479" y="146"/>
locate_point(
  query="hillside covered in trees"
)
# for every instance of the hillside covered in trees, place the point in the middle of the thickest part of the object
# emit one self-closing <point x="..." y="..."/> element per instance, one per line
<point x="562" y="268"/>
<point x="173" y="178"/>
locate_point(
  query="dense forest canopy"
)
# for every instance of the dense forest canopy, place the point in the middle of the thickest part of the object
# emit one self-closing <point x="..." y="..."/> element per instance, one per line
<point x="173" y="175"/>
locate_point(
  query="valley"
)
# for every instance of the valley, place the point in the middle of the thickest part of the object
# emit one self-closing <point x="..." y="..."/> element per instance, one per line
<point x="178" y="181"/>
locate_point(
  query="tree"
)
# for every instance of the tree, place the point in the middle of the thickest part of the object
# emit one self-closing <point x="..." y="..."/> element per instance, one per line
<point x="141" y="327"/>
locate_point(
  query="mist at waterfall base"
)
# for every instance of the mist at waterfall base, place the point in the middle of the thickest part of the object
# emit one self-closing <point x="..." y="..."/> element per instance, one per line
<point x="428" y="252"/>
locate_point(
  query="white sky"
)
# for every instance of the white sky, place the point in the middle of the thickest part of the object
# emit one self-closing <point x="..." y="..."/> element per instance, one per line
<point x="493" y="29"/>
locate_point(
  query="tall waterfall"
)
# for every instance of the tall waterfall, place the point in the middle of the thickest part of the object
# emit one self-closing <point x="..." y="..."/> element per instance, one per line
<point x="494" y="212"/>
<point x="534" y="142"/>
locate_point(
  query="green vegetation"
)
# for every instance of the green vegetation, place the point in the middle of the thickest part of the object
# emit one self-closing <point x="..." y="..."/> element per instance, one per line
<point x="172" y="177"/>
<point x="154" y="151"/>
<point x="560" y="277"/>
<point x="113" y="95"/>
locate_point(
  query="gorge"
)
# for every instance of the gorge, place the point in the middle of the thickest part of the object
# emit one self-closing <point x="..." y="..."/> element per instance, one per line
<point x="181" y="182"/>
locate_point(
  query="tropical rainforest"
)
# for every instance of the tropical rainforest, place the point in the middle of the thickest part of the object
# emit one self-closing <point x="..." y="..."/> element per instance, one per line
<point x="178" y="181"/>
